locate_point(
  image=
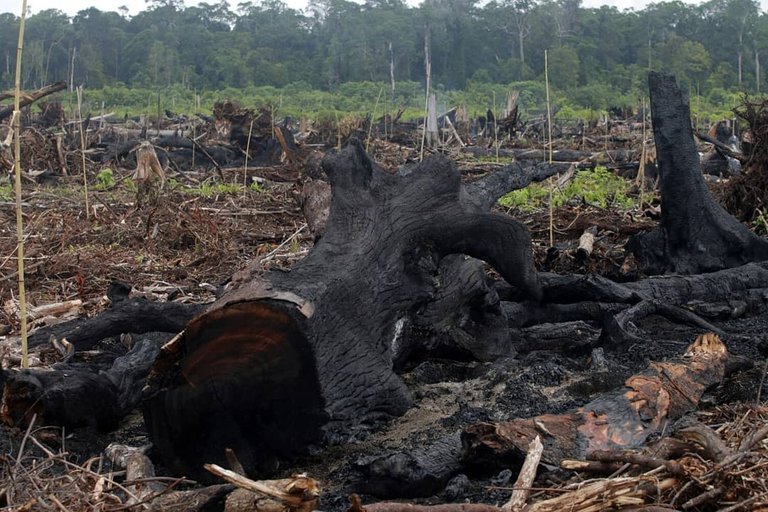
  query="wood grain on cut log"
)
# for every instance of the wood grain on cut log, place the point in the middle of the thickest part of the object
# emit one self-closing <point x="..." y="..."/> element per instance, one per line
<point x="285" y="360"/>
<point x="618" y="420"/>
<point x="695" y="234"/>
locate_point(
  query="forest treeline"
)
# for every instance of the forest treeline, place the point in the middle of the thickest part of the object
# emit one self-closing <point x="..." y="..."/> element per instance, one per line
<point x="598" y="57"/>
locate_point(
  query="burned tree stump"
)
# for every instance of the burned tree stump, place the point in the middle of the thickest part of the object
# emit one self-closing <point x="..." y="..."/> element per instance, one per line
<point x="696" y="234"/>
<point x="289" y="359"/>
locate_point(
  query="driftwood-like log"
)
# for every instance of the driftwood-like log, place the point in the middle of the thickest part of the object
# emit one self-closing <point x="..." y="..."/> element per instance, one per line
<point x="524" y="482"/>
<point x="291" y="359"/>
<point x="695" y="234"/>
<point x="622" y="419"/>
<point x="31" y="97"/>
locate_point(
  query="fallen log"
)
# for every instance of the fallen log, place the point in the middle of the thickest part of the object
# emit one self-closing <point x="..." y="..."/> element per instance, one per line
<point x="695" y="234"/>
<point x="124" y="316"/>
<point x="328" y="333"/>
<point x="622" y="419"/>
<point x="31" y="97"/>
<point x="628" y="493"/>
<point x="560" y="155"/>
<point x="77" y="394"/>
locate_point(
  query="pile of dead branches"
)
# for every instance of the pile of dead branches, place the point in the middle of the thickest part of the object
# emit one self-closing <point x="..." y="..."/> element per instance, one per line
<point x="718" y="463"/>
<point x="747" y="193"/>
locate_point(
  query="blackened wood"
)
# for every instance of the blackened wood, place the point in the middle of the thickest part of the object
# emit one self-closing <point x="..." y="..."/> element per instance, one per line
<point x="560" y="155"/>
<point x="622" y="419"/>
<point x="127" y="316"/>
<point x="79" y="394"/>
<point x="573" y="338"/>
<point x="420" y="472"/>
<point x="327" y="364"/>
<point x="621" y="330"/>
<point x="695" y="234"/>
<point x="484" y="193"/>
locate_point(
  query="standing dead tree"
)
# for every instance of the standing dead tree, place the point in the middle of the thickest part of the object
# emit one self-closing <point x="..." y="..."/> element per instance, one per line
<point x="695" y="234"/>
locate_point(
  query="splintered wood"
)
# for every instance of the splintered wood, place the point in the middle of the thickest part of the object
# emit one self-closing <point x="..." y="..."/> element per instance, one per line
<point x="296" y="494"/>
<point x="149" y="175"/>
<point x="618" y="420"/>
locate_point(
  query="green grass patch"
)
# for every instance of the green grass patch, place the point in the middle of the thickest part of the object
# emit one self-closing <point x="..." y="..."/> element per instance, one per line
<point x="212" y="189"/>
<point x="6" y="192"/>
<point x="598" y="187"/>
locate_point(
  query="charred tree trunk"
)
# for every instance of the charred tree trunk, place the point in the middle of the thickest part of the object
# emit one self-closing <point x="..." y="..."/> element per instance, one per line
<point x="696" y="234"/>
<point x="290" y="359"/>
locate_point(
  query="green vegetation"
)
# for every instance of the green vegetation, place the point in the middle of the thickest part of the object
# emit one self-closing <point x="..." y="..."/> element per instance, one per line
<point x="760" y="223"/>
<point x="207" y="189"/>
<point x="334" y="58"/>
<point x="105" y="180"/>
<point x="598" y="187"/>
<point x="6" y="192"/>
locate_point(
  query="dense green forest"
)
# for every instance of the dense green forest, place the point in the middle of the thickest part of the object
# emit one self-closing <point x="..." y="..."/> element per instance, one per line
<point x="341" y="50"/>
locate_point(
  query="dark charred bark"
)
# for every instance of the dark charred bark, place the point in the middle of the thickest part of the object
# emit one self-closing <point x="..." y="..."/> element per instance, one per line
<point x="560" y="155"/>
<point x="123" y="316"/>
<point x="289" y="359"/>
<point x="695" y="234"/>
<point x="409" y="474"/>
<point x="623" y="419"/>
<point x="79" y="394"/>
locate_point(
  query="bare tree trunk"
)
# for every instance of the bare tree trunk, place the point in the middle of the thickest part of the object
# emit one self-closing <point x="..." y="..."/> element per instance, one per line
<point x="741" y="54"/>
<point x="757" y="70"/>
<point x="392" y="68"/>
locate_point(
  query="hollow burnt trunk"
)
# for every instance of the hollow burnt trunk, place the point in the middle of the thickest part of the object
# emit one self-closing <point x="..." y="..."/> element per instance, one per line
<point x="285" y="360"/>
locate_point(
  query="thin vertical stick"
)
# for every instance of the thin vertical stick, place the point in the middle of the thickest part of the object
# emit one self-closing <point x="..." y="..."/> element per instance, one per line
<point x="82" y="149"/>
<point x="17" y="158"/>
<point x="338" y="129"/>
<point x="643" y="155"/>
<point x="495" y="127"/>
<point x="549" y="137"/>
<point x="428" y="68"/>
<point x="247" y="152"/>
<point x="373" y="116"/>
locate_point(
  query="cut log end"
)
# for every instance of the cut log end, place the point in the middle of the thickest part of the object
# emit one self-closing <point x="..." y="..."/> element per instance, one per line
<point x="243" y="378"/>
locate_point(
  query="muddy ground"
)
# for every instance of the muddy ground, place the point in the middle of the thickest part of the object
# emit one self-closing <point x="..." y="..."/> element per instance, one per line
<point x="196" y="236"/>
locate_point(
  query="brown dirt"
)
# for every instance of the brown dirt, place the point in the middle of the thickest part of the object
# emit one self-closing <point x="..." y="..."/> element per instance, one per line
<point x="182" y="241"/>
